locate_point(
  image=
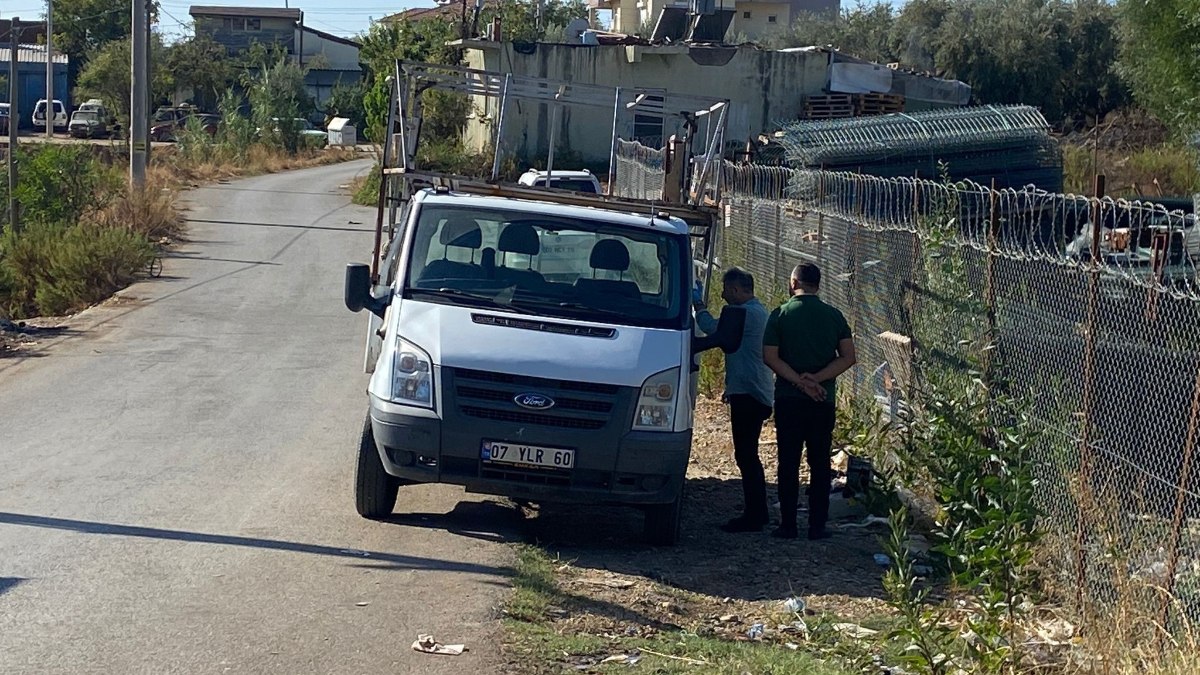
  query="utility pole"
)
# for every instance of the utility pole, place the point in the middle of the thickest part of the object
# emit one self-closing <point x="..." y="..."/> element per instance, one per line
<point x="149" y="79"/>
<point x="139" y="96"/>
<point x="50" y="70"/>
<point x="14" y="116"/>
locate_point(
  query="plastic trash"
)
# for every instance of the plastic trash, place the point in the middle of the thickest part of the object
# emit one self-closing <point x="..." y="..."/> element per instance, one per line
<point x="795" y="605"/>
<point x="756" y="631"/>
<point x="427" y="644"/>
<point x="883" y="560"/>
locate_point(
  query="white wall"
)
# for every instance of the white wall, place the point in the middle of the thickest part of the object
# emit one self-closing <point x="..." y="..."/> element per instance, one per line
<point x="763" y="88"/>
<point x="340" y="56"/>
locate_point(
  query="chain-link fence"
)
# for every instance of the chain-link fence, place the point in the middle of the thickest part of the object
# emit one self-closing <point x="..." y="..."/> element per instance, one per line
<point x="1086" y="309"/>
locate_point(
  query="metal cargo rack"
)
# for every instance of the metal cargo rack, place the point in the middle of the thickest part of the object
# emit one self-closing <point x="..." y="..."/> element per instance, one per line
<point x="400" y="176"/>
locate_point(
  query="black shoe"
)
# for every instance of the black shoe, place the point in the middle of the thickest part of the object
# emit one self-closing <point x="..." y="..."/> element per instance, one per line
<point x="785" y="532"/>
<point x="819" y="533"/>
<point x="743" y="524"/>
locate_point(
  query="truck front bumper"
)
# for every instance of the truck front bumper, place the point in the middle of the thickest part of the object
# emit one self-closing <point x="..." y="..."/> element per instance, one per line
<point x="637" y="467"/>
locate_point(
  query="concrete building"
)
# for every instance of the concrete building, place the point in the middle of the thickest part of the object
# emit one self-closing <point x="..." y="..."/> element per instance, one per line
<point x="752" y="19"/>
<point x="31" y="80"/>
<point x="765" y="88"/>
<point x="329" y="59"/>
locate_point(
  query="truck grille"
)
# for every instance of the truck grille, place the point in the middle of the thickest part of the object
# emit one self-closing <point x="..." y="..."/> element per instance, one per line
<point x="577" y="405"/>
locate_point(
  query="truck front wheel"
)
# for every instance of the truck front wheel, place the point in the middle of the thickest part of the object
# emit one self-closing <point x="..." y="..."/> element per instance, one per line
<point x="374" y="490"/>
<point x="663" y="522"/>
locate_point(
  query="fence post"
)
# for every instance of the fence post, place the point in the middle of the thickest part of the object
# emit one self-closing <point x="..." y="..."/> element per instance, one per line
<point x="1185" y="476"/>
<point x="989" y="291"/>
<point x="855" y="286"/>
<point x="820" y="218"/>
<point x="778" y="261"/>
<point x="1089" y="386"/>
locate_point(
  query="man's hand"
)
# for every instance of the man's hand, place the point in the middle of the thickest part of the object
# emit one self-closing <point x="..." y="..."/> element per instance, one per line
<point x="811" y="387"/>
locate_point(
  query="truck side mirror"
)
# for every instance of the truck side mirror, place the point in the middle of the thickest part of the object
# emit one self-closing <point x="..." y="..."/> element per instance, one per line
<point x="358" y="291"/>
<point x="728" y="337"/>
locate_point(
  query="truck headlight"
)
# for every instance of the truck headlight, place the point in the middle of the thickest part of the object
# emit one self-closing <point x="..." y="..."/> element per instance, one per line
<point x="412" y="377"/>
<point x="655" y="409"/>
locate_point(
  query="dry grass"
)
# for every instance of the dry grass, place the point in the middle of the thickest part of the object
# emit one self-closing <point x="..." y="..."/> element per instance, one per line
<point x="150" y="212"/>
<point x="1160" y="171"/>
<point x="258" y="160"/>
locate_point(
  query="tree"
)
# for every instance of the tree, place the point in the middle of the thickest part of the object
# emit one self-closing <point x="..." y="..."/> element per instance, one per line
<point x="106" y="76"/>
<point x="862" y="31"/>
<point x="278" y="97"/>
<point x="1160" y="58"/>
<point x="200" y="64"/>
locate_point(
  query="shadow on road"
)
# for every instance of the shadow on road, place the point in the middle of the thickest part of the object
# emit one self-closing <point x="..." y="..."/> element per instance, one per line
<point x="9" y="583"/>
<point x="751" y="566"/>
<point x="283" y="225"/>
<point x="394" y="560"/>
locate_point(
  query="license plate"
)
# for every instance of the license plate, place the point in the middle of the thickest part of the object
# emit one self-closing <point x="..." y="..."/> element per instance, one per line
<point x="527" y="455"/>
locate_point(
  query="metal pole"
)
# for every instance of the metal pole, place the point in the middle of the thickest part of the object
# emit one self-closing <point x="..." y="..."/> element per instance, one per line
<point x="149" y="80"/>
<point x="13" y="117"/>
<point x="500" y="129"/>
<point x="1181" y="491"/>
<point x="612" y="151"/>
<point x="1089" y="388"/>
<point x="389" y="133"/>
<point x="553" y="139"/>
<point x="138" y="119"/>
<point x="49" y="70"/>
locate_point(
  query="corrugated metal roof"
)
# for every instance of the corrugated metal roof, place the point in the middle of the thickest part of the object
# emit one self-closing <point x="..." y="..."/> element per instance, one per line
<point x="254" y="12"/>
<point x="30" y="54"/>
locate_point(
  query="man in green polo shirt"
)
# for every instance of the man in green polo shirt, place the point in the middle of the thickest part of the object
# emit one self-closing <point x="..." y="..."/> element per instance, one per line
<point x="808" y="344"/>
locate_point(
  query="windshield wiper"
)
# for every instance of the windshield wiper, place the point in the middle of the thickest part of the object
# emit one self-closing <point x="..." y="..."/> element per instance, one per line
<point x="577" y="306"/>
<point x="463" y="296"/>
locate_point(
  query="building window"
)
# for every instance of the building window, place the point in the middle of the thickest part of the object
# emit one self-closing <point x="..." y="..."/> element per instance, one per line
<point x="256" y="24"/>
<point x="770" y="19"/>
<point x="745" y="15"/>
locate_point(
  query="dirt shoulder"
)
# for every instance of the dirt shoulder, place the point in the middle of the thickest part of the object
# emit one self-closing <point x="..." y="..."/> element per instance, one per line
<point x="717" y="586"/>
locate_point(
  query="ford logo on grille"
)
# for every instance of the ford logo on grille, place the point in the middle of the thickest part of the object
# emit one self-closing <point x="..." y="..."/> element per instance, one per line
<point x="534" y="401"/>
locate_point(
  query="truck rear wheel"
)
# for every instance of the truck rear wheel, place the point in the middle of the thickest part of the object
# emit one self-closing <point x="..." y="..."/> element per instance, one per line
<point x="374" y="489"/>
<point x="663" y="521"/>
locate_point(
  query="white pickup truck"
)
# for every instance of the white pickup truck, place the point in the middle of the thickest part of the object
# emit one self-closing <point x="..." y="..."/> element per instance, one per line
<point x="531" y="342"/>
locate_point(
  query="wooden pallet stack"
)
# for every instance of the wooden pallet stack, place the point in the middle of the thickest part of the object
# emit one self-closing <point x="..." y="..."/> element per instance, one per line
<point x="828" y="106"/>
<point x="878" y="104"/>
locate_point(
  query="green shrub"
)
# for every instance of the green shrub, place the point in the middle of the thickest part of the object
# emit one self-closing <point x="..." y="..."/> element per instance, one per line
<point x="367" y="192"/>
<point x="53" y="269"/>
<point x="60" y="183"/>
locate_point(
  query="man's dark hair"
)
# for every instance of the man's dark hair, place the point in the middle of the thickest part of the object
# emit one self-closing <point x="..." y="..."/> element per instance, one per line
<point x="740" y="278"/>
<point x="808" y="274"/>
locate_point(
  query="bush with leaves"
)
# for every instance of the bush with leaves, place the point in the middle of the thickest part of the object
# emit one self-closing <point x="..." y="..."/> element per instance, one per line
<point x="52" y="269"/>
<point x="60" y="183"/>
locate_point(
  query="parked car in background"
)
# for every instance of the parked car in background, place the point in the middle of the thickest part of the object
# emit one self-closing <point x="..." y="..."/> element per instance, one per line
<point x="576" y="181"/>
<point x="58" y="116"/>
<point x="310" y="134"/>
<point x="88" y="124"/>
<point x="5" y="116"/>
<point x="97" y="106"/>
<point x="168" y="128"/>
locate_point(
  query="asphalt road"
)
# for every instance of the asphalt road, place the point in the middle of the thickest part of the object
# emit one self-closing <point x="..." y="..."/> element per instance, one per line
<point x="175" y="471"/>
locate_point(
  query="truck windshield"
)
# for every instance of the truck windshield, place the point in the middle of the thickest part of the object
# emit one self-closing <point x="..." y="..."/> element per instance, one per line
<point x="549" y="266"/>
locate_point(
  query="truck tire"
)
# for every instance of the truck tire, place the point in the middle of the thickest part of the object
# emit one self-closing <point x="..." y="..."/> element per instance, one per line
<point x="663" y="521"/>
<point x="374" y="490"/>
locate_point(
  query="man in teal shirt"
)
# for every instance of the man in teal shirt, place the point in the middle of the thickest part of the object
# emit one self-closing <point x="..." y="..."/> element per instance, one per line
<point x="808" y="344"/>
<point x="748" y="391"/>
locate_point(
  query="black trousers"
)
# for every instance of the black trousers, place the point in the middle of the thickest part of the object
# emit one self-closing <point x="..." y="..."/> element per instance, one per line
<point x="803" y="423"/>
<point x="747" y="415"/>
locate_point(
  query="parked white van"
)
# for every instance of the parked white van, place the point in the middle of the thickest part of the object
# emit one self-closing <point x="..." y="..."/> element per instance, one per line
<point x="59" y="117"/>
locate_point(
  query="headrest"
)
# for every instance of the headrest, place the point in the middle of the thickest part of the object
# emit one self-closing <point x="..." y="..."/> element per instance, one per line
<point x="462" y="232"/>
<point x="519" y="238"/>
<point x="610" y="254"/>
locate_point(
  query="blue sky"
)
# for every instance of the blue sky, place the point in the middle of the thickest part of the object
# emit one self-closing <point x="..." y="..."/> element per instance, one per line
<point x="346" y="18"/>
